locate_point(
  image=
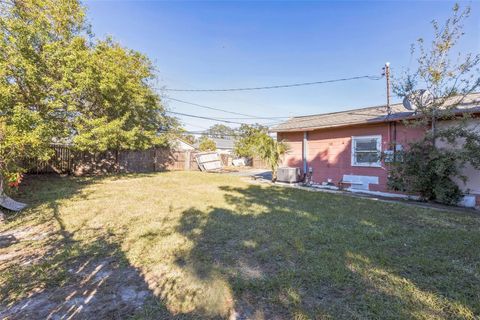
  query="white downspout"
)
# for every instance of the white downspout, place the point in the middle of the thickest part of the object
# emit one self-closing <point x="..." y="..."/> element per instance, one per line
<point x="304" y="150"/>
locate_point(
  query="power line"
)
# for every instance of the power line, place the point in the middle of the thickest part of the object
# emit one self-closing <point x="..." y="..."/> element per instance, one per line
<point x="195" y="132"/>
<point x="307" y="118"/>
<point x="257" y="118"/>
<point x="193" y="125"/>
<point x="248" y="117"/>
<point x="206" y="118"/>
<point x="276" y="86"/>
<point x="207" y="107"/>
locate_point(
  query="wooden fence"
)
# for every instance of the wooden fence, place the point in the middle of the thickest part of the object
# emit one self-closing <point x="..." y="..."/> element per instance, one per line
<point x="61" y="161"/>
<point x="65" y="160"/>
<point x="258" y="163"/>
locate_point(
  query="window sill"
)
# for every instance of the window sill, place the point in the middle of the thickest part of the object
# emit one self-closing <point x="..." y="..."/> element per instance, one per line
<point x="367" y="165"/>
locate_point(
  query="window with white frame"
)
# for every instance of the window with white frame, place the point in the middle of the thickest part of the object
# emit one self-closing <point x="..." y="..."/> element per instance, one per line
<point x="366" y="151"/>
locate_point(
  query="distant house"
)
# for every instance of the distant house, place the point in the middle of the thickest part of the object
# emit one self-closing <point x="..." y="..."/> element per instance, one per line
<point x="344" y="146"/>
<point x="181" y="145"/>
<point x="224" y="146"/>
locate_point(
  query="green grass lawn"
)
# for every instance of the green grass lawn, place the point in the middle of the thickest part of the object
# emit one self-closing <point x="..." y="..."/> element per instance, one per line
<point x="196" y="245"/>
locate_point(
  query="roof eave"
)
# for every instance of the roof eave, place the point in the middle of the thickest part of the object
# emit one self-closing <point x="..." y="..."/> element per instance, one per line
<point x="353" y="124"/>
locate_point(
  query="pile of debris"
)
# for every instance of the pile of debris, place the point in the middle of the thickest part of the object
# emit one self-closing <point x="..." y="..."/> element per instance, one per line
<point x="209" y="161"/>
<point x="8" y="203"/>
<point x="213" y="162"/>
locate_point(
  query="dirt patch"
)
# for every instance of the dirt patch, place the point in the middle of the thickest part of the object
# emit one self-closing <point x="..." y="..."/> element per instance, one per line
<point x="46" y="274"/>
<point x="97" y="289"/>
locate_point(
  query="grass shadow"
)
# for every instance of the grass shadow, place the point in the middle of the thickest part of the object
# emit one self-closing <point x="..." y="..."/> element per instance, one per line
<point x="48" y="271"/>
<point x="188" y="246"/>
<point x="289" y="253"/>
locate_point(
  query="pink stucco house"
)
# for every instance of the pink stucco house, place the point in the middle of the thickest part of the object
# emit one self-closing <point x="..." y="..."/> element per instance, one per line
<point x="343" y="146"/>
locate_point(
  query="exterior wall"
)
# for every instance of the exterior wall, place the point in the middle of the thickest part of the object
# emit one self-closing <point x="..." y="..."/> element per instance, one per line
<point x="473" y="182"/>
<point x="329" y="151"/>
<point x="293" y="158"/>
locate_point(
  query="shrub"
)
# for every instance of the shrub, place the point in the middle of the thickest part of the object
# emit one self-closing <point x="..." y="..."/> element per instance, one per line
<point x="429" y="172"/>
<point x="207" y="144"/>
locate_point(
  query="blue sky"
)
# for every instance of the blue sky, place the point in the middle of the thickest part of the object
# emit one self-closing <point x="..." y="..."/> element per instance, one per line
<point x="199" y="45"/>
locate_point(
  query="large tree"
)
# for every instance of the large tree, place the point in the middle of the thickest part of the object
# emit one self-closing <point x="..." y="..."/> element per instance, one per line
<point x="248" y="138"/>
<point x="120" y="111"/>
<point x="57" y="83"/>
<point x="206" y="144"/>
<point x="43" y="48"/>
<point x="221" y="131"/>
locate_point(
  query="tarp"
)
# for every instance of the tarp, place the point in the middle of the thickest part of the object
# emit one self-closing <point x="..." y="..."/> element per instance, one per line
<point x="7" y="202"/>
<point x="240" y="162"/>
<point x="10" y="204"/>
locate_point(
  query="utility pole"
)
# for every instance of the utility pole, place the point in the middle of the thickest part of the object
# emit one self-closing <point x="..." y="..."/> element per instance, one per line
<point x="386" y="73"/>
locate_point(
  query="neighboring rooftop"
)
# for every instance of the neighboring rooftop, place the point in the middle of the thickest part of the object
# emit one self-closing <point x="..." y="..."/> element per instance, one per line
<point x="367" y="115"/>
<point x="226" y="144"/>
<point x="180" y="140"/>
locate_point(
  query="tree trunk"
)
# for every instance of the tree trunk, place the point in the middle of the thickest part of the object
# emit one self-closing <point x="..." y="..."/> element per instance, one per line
<point x="434" y="129"/>
<point x="274" y="175"/>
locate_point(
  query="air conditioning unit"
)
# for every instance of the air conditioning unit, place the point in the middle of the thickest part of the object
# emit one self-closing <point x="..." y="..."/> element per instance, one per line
<point x="288" y="174"/>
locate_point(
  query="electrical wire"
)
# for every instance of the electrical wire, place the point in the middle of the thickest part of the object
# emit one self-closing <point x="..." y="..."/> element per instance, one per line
<point x="246" y="116"/>
<point x="212" y="108"/>
<point x="307" y="119"/>
<point x="195" y="132"/>
<point x="193" y="125"/>
<point x="276" y="86"/>
<point x="206" y="118"/>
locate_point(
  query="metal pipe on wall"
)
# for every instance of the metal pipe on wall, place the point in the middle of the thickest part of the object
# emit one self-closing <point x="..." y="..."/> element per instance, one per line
<point x="304" y="151"/>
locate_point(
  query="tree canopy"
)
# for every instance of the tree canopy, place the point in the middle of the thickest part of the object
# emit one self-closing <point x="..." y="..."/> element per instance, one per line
<point x="221" y="131"/>
<point x="440" y="68"/>
<point x="124" y="112"/>
<point x="206" y="144"/>
<point x="253" y="140"/>
<point x="248" y="138"/>
<point x="59" y="84"/>
<point x="270" y="150"/>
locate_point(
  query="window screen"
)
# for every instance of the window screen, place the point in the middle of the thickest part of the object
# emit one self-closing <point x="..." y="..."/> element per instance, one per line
<point x="366" y="151"/>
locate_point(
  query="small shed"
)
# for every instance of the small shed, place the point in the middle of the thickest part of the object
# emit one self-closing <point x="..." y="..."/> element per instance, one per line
<point x="181" y="145"/>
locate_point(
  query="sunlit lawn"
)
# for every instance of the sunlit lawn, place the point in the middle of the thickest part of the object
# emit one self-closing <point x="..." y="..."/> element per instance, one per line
<point x="208" y="245"/>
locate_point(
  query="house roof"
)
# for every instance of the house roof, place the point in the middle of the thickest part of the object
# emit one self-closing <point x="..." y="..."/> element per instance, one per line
<point x="220" y="143"/>
<point x="224" y="143"/>
<point x="363" y="116"/>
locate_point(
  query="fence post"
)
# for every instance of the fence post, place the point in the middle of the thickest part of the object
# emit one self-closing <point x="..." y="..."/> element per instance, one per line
<point x="154" y="159"/>
<point x="187" y="160"/>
